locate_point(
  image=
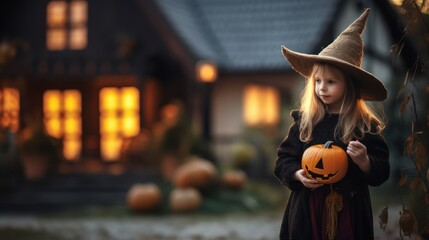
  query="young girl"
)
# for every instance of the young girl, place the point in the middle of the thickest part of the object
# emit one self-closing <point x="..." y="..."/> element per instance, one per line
<point x="333" y="108"/>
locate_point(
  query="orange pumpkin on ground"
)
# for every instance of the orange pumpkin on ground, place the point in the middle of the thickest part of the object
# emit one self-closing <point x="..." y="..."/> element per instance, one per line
<point x="197" y="173"/>
<point x="234" y="179"/>
<point x="144" y="197"/>
<point x="185" y="200"/>
<point x="326" y="163"/>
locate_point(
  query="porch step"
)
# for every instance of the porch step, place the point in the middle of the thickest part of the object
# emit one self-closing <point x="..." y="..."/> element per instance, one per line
<point x="64" y="192"/>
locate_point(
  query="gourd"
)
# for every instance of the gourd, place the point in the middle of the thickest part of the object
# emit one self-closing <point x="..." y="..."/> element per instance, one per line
<point x="185" y="200"/>
<point x="144" y="197"/>
<point x="325" y="163"/>
<point x="197" y="173"/>
<point x="234" y="179"/>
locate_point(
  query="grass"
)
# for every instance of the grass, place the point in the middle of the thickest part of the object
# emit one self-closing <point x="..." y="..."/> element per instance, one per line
<point x="254" y="198"/>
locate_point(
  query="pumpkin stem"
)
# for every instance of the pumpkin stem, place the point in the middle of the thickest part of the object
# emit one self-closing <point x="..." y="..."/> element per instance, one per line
<point x="328" y="144"/>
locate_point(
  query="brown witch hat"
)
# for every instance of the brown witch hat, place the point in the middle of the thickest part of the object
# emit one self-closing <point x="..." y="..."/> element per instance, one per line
<point x="346" y="53"/>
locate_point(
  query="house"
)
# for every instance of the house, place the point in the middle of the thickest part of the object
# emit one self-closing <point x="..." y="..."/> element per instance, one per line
<point x="96" y="73"/>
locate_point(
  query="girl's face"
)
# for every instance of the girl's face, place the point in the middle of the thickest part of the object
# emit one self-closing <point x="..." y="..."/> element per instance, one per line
<point x="329" y="86"/>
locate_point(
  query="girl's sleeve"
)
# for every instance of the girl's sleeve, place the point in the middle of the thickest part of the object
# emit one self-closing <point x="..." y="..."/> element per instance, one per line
<point x="288" y="161"/>
<point x="378" y="154"/>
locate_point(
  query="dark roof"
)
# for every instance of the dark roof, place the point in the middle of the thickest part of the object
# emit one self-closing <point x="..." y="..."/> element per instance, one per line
<point x="247" y="34"/>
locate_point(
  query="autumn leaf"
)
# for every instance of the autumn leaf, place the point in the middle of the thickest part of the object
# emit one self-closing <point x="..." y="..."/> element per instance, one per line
<point x="383" y="218"/>
<point x="406" y="222"/>
<point x="415" y="183"/>
<point x="405" y="103"/>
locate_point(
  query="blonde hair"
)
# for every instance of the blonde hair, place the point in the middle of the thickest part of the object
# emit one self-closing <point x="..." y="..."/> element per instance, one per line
<point x="356" y="117"/>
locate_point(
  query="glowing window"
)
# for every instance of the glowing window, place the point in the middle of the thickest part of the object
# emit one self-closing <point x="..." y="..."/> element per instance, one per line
<point x="119" y="119"/>
<point x="9" y="108"/>
<point x="62" y="118"/>
<point x="261" y="105"/>
<point x="67" y="25"/>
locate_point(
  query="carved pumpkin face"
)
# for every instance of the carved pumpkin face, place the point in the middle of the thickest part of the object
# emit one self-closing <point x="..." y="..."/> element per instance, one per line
<point x="325" y="163"/>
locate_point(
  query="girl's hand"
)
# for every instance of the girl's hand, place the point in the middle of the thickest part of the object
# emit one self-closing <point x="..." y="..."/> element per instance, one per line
<point x="307" y="182"/>
<point x="357" y="151"/>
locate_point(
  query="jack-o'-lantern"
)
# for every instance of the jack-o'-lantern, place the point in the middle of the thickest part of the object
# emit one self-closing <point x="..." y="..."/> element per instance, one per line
<point x="325" y="163"/>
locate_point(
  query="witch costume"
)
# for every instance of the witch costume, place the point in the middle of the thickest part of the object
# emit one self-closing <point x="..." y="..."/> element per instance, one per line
<point x="305" y="215"/>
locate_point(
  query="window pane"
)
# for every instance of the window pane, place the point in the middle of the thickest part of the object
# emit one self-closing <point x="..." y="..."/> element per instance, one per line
<point x="109" y="98"/>
<point x="252" y="105"/>
<point x="130" y="98"/>
<point x="72" y="126"/>
<point x="72" y="101"/>
<point x="53" y="127"/>
<point x="56" y="39"/>
<point x="261" y="105"/>
<point x="57" y="11"/>
<point x="72" y="148"/>
<point x="78" y="12"/>
<point x="52" y="101"/>
<point x="109" y="124"/>
<point x="78" y="38"/>
<point x="130" y="124"/>
<point x="272" y="108"/>
<point x="110" y="148"/>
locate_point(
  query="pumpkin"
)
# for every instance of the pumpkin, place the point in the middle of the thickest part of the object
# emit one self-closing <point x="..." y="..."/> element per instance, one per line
<point x="144" y="197"/>
<point x="325" y="163"/>
<point x="197" y="173"/>
<point x="234" y="179"/>
<point x="185" y="200"/>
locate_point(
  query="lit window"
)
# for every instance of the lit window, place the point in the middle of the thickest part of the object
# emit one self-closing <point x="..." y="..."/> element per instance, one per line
<point x="56" y="39"/>
<point x="9" y="108"/>
<point x="78" y="29"/>
<point x="67" y="25"/>
<point x="261" y="105"/>
<point x="57" y="11"/>
<point x="62" y="117"/>
<point x="119" y="118"/>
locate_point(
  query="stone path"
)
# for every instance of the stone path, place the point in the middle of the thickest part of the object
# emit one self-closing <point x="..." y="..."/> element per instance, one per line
<point x="153" y="228"/>
<point x="172" y="227"/>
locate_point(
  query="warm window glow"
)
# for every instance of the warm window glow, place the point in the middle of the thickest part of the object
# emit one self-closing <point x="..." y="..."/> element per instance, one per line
<point x="261" y="105"/>
<point x="57" y="11"/>
<point x="206" y="71"/>
<point x="66" y="23"/>
<point x="62" y="117"/>
<point x="9" y="108"/>
<point x="119" y="118"/>
<point x="56" y="39"/>
<point x="78" y="12"/>
<point x="78" y="38"/>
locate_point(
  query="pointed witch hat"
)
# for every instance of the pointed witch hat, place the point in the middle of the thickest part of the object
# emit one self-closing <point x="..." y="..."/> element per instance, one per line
<point x="346" y="53"/>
